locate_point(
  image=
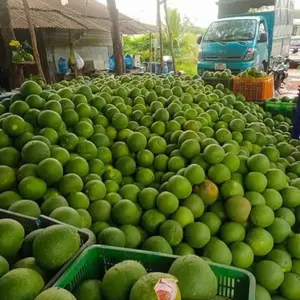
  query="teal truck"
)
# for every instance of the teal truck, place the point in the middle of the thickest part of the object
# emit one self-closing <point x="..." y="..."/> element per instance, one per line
<point x="249" y="33"/>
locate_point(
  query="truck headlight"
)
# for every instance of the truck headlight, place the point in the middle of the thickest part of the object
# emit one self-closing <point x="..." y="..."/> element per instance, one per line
<point x="250" y="54"/>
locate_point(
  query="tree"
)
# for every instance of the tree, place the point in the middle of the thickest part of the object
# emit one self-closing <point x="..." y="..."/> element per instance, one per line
<point x="116" y="37"/>
<point x="33" y="40"/>
<point x="134" y="45"/>
<point x="6" y="28"/>
<point x="178" y="26"/>
<point x="8" y="35"/>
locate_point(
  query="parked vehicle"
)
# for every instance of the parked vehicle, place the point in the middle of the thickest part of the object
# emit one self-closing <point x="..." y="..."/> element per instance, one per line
<point x="280" y="70"/>
<point x="294" y="50"/>
<point x="246" y="39"/>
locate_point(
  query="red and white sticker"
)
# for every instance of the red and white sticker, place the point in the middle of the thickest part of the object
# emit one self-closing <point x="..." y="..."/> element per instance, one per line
<point x="166" y="289"/>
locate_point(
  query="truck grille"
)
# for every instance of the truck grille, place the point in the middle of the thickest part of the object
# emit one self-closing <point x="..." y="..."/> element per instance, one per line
<point x="223" y="57"/>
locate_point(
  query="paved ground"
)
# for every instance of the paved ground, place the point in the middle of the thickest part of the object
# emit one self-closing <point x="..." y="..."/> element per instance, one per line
<point x="291" y="87"/>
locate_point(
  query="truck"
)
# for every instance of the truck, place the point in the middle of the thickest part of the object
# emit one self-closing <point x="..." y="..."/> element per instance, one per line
<point x="248" y="33"/>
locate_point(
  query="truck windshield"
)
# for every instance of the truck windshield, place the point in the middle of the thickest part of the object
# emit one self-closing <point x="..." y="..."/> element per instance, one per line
<point x="231" y="31"/>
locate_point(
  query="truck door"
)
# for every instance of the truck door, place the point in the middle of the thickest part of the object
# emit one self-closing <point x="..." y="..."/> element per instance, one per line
<point x="262" y="45"/>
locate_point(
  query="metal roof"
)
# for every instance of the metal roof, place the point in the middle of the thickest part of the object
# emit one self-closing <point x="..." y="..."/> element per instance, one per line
<point x="44" y="19"/>
<point x="76" y="15"/>
<point x="256" y="18"/>
<point x="253" y="3"/>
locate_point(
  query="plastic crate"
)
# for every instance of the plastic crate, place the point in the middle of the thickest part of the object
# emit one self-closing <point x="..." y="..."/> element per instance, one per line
<point x="227" y="82"/>
<point x="254" y="89"/>
<point x="273" y="107"/>
<point x="287" y="109"/>
<point x="30" y="224"/>
<point x="234" y="283"/>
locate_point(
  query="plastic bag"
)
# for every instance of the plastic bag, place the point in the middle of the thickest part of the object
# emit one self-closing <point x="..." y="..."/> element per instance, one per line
<point x="79" y="61"/>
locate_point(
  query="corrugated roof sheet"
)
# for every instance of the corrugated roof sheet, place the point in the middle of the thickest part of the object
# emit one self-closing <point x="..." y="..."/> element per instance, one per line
<point x="76" y="15"/>
<point x="44" y="19"/>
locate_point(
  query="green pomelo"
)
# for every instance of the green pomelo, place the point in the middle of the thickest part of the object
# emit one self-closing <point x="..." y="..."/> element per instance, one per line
<point x="126" y="273"/>
<point x="195" y="278"/>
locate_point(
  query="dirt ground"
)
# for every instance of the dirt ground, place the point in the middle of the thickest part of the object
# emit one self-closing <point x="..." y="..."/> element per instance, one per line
<point x="292" y="83"/>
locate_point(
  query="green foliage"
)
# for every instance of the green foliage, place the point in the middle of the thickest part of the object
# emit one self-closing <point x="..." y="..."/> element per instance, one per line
<point x="179" y="27"/>
<point x="137" y="45"/>
<point x="184" y="35"/>
<point x="188" y="67"/>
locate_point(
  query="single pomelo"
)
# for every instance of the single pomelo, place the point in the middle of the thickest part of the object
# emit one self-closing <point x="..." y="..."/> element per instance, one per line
<point x="21" y="283"/>
<point x="144" y="288"/>
<point x="57" y="294"/>
<point x="218" y="252"/>
<point x="126" y="274"/>
<point x="55" y="245"/>
<point x="88" y="290"/>
<point x="238" y="209"/>
<point x="207" y="191"/>
<point x="196" y="280"/>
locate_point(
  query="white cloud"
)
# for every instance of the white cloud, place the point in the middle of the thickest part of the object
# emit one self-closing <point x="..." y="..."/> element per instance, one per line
<point x="200" y="12"/>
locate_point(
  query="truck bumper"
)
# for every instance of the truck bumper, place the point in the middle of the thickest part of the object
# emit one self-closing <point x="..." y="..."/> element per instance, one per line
<point x="235" y="66"/>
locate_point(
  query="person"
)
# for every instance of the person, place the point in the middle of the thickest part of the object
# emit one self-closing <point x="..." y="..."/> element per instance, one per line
<point x="296" y="123"/>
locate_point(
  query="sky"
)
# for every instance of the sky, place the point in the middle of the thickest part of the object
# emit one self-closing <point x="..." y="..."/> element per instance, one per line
<point x="145" y="10"/>
<point x="200" y="12"/>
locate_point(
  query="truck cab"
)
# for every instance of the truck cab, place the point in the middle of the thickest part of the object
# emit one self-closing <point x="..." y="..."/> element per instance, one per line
<point x="248" y="38"/>
<point x="234" y="43"/>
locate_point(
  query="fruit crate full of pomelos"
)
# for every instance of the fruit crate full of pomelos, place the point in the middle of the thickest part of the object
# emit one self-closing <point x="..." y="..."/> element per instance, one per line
<point x="284" y="106"/>
<point x="254" y="89"/>
<point x="39" y="244"/>
<point x="112" y="265"/>
<point x="218" y="78"/>
<point x="226" y="82"/>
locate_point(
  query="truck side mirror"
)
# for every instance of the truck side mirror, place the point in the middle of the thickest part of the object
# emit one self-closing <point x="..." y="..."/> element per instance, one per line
<point x="199" y="40"/>
<point x="263" y="38"/>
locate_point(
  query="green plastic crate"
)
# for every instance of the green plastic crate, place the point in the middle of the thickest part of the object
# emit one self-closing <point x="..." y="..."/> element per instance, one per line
<point x="234" y="283"/>
<point x="273" y="107"/>
<point x="30" y="224"/>
<point x="287" y="109"/>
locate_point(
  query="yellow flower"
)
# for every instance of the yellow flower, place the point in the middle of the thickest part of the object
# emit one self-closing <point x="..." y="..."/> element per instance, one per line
<point x="15" y="44"/>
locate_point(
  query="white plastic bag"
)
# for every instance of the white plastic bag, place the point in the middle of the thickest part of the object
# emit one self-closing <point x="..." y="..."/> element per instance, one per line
<point x="79" y="61"/>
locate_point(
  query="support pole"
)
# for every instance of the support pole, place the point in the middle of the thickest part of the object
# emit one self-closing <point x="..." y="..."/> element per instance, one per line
<point x="116" y="37"/>
<point x="160" y="36"/>
<point x="150" y="52"/>
<point x="33" y="40"/>
<point x="170" y="34"/>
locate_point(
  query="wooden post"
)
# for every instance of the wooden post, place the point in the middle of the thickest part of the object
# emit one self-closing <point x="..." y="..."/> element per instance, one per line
<point x="8" y="35"/>
<point x="150" y="52"/>
<point x="116" y="37"/>
<point x="33" y="40"/>
<point x="123" y="55"/>
<point x="54" y="63"/>
<point x="43" y="50"/>
<point x="170" y="33"/>
<point x="160" y="36"/>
